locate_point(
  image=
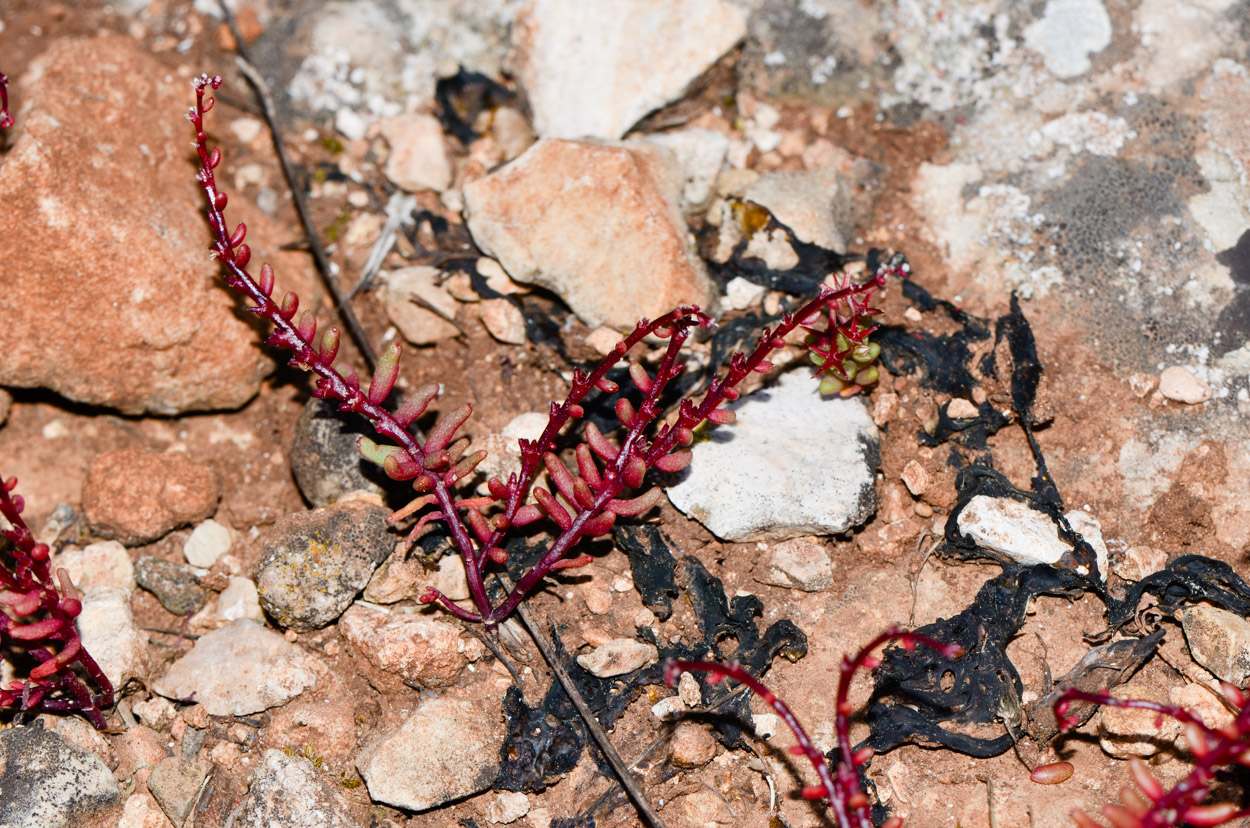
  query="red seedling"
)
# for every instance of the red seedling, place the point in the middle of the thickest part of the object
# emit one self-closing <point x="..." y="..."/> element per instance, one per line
<point x="839" y="788"/>
<point x="1150" y="806"/>
<point x="37" y="617"/>
<point x="585" y="502"/>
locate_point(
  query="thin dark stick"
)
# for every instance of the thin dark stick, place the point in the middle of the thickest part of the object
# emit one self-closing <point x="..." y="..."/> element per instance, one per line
<point x="645" y="808"/>
<point x="341" y="306"/>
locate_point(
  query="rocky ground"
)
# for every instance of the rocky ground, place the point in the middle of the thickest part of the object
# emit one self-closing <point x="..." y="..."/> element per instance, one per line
<point x="241" y="584"/>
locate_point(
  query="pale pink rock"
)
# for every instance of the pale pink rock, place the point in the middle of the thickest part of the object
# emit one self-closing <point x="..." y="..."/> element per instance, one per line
<point x="418" y="159"/>
<point x="598" y="224"/>
<point x="421" y="649"/>
<point x="504" y="321"/>
<point x="110" y="297"/>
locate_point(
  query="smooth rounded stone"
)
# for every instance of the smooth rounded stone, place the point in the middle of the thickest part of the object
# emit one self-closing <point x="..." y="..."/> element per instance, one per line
<point x="801" y="563"/>
<point x="175" y="585"/>
<point x="288" y="792"/>
<point x="599" y="224"/>
<point x="618" y="657"/>
<point x="692" y="745"/>
<point x="742" y="483"/>
<point x="109" y="632"/>
<point x="407" y="290"/>
<point x="418" y="159"/>
<point x="424" y="650"/>
<point x="503" y="320"/>
<point x="240" y="669"/>
<point x="208" y="542"/>
<point x="176" y="784"/>
<point x="1220" y="641"/>
<point x="508" y="807"/>
<point x="741" y="294"/>
<point x="239" y="600"/>
<point x="315" y="563"/>
<point x="103" y="564"/>
<point x="618" y="59"/>
<point x="324" y="458"/>
<point x="446" y="749"/>
<point x="46" y="783"/>
<point x="137" y="496"/>
<point x="1025" y="535"/>
<point x="1125" y="733"/>
<point x="120" y="223"/>
<point x="1178" y="384"/>
<point x="815" y="204"/>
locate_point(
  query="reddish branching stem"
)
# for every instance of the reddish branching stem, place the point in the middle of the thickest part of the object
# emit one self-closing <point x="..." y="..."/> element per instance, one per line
<point x="6" y="120"/>
<point x="585" y="503"/>
<point x="1151" y="806"/>
<point x="840" y="787"/>
<point x="37" y="615"/>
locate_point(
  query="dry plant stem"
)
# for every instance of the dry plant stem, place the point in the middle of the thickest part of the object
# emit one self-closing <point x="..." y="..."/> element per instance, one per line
<point x="1212" y="748"/>
<point x="342" y="307"/>
<point x="839" y="788"/>
<point x="641" y="801"/>
<point x="27" y="588"/>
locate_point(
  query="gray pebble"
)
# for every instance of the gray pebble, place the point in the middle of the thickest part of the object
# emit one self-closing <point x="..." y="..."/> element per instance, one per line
<point x="324" y="458"/>
<point x="175" y="585"/>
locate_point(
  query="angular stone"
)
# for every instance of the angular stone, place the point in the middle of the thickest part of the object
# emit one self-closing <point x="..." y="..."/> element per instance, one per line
<point x="618" y="59"/>
<point x="103" y="564"/>
<point x="508" y="807"/>
<point x="175" y="784"/>
<point x="109" y="632"/>
<point x="103" y="236"/>
<point x="503" y="320"/>
<point x="1025" y="535"/>
<point x="618" y="657"/>
<point x="46" y="783"/>
<point x="1220" y="641"/>
<point x="700" y="153"/>
<point x="1126" y="733"/>
<point x="137" y="496"/>
<point x="801" y="563"/>
<point x="419" y="325"/>
<point x="815" y="204"/>
<point x="239" y="600"/>
<point x="175" y="585"/>
<point x="599" y="224"/>
<point x="239" y="669"/>
<point x="447" y="748"/>
<point x="315" y="563"/>
<point x="288" y="792"/>
<point x="743" y="485"/>
<point x="421" y="649"/>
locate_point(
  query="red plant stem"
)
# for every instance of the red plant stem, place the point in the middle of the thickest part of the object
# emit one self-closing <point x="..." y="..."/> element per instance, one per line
<point x="1217" y="748"/>
<point x="846" y="798"/>
<point x="330" y="382"/>
<point x="6" y="120"/>
<point x="30" y="580"/>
